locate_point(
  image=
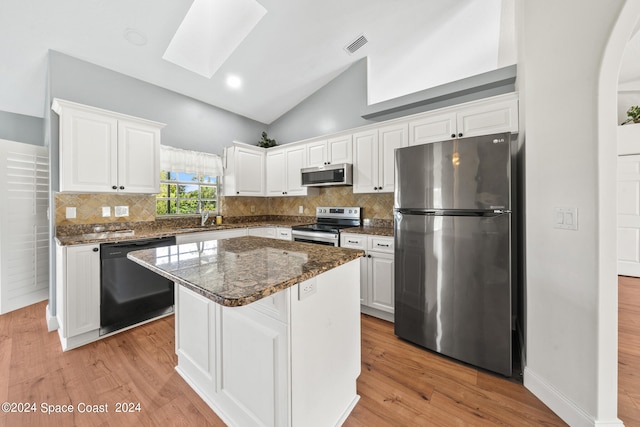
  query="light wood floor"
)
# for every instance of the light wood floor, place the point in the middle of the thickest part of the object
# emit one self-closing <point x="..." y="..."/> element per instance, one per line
<point x="629" y="350"/>
<point x="400" y="384"/>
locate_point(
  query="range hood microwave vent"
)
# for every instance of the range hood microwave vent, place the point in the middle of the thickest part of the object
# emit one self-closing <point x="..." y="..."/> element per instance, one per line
<point x="352" y="47"/>
<point x="327" y="175"/>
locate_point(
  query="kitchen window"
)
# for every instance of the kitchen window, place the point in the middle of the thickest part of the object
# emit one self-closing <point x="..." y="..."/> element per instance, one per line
<point x="184" y="193"/>
<point x="188" y="182"/>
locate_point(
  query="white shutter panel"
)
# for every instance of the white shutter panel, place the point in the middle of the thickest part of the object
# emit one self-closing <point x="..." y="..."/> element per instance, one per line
<point x="24" y="229"/>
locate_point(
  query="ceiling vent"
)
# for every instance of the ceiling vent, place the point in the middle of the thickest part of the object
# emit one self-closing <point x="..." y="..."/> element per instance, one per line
<point x="352" y="47"/>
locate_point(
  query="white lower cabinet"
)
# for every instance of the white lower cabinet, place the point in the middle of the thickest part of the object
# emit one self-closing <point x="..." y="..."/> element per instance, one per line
<point x="78" y="294"/>
<point x="280" y="361"/>
<point x="282" y="233"/>
<point x="377" y="277"/>
<point x="182" y="239"/>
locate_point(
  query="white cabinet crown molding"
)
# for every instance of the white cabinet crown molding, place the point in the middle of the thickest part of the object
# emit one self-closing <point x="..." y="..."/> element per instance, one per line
<point x="59" y="105"/>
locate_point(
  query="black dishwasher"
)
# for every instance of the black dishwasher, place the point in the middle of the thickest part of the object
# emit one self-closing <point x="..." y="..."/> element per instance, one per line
<point x="130" y="293"/>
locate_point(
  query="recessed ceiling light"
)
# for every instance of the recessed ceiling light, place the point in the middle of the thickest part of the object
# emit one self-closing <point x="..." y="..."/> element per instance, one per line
<point x="135" y="37"/>
<point x="210" y="32"/>
<point x="234" y="81"/>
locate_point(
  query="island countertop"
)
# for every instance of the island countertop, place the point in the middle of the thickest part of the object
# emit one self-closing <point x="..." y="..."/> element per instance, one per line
<point x="239" y="271"/>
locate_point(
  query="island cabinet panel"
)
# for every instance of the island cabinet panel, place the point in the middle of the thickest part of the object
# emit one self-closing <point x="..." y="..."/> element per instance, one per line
<point x="195" y="335"/>
<point x="325" y="348"/>
<point x="289" y="359"/>
<point x="253" y="359"/>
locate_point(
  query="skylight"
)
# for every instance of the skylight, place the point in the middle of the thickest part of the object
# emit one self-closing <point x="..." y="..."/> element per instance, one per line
<point x="210" y="32"/>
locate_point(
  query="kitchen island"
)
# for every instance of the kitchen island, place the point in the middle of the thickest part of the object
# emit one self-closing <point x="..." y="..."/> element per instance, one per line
<point x="267" y="331"/>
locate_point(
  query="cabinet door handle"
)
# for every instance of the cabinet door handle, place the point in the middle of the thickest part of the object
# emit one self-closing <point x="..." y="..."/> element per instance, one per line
<point x="115" y="187"/>
<point x="453" y="135"/>
<point x="95" y="249"/>
<point x="122" y="187"/>
<point x="368" y="256"/>
<point x="460" y="135"/>
<point x="237" y="192"/>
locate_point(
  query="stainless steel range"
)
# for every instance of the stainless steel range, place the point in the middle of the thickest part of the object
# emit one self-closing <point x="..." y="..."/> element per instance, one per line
<point x="329" y="221"/>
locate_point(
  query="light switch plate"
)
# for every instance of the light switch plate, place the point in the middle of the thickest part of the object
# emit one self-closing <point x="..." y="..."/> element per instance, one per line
<point x="121" y="211"/>
<point x="565" y="218"/>
<point x="106" y="211"/>
<point x="71" y="212"/>
<point x="300" y="209"/>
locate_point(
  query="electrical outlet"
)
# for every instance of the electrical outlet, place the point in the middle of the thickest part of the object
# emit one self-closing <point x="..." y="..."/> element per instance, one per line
<point x="122" y="211"/>
<point x="106" y="211"/>
<point x="300" y="209"/>
<point x="71" y="213"/>
<point x="306" y="288"/>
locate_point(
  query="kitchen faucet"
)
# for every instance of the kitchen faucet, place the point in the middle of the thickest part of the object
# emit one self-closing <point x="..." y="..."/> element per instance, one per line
<point x="204" y="214"/>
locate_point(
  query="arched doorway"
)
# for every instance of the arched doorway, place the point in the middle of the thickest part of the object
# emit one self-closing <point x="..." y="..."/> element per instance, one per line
<point x="607" y="167"/>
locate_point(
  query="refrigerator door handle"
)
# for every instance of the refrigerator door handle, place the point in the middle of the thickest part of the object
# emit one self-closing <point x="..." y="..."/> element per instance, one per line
<point x="452" y="212"/>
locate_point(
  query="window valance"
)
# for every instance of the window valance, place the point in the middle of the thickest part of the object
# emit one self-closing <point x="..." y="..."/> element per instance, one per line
<point x="196" y="162"/>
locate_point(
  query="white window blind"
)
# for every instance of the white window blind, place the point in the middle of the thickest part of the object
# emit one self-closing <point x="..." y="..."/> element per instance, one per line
<point x="195" y="162"/>
<point x="24" y="229"/>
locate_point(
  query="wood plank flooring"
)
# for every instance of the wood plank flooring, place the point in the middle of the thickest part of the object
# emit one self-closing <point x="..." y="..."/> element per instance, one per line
<point x="629" y="350"/>
<point x="400" y="384"/>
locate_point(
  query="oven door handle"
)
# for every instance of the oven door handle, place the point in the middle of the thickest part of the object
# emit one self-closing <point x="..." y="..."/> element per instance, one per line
<point x="321" y="237"/>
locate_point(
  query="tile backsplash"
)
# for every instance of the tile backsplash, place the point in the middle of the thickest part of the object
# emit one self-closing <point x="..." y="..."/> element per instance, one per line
<point x="89" y="208"/>
<point x="143" y="207"/>
<point x="379" y="206"/>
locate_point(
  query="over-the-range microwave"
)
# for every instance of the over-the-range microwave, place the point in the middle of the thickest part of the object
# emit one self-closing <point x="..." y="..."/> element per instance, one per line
<point x="322" y="176"/>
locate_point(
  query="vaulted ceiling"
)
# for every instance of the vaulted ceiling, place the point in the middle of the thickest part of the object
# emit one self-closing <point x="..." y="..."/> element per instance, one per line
<point x="295" y="49"/>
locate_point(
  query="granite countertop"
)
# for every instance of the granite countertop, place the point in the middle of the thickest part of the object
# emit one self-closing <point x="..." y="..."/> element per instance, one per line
<point x="145" y="233"/>
<point x="239" y="271"/>
<point x="376" y="231"/>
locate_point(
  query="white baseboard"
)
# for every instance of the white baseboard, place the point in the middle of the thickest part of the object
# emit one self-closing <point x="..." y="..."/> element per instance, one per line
<point x="52" y="321"/>
<point x="564" y="407"/>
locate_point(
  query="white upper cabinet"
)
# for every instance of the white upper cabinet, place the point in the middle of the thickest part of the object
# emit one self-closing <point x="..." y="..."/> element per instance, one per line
<point x="296" y="159"/>
<point x="340" y="149"/>
<point x="331" y="151"/>
<point x="245" y="171"/>
<point x="102" y="151"/>
<point x="138" y="157"/>
<point x="374" y="152"/>
<point x="433" y="128"/>
<point x="276" y="172"/>
<point x="495" y="115"/>
<point x="317" y="153"/>
<point x="283" y="171"/>
<point x="488" y="117"/>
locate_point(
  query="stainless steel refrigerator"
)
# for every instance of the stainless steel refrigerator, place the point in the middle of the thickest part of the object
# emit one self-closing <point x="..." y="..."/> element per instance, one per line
<point x="453" y="249"/>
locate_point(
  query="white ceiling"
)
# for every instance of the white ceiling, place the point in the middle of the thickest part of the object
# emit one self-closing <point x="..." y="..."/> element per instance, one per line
<point x="293" y="51"/>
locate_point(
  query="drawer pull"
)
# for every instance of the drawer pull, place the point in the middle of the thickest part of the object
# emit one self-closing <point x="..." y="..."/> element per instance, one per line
<point x="380" y="244"/>
<point x="352" y="241"/>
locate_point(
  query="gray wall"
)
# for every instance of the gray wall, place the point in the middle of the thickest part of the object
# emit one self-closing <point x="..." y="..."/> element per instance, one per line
<point x="21" y="128"/>
<point x="191" y="124"/>
<point x="335" y="107"/>
<point x="343" y="104"/>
